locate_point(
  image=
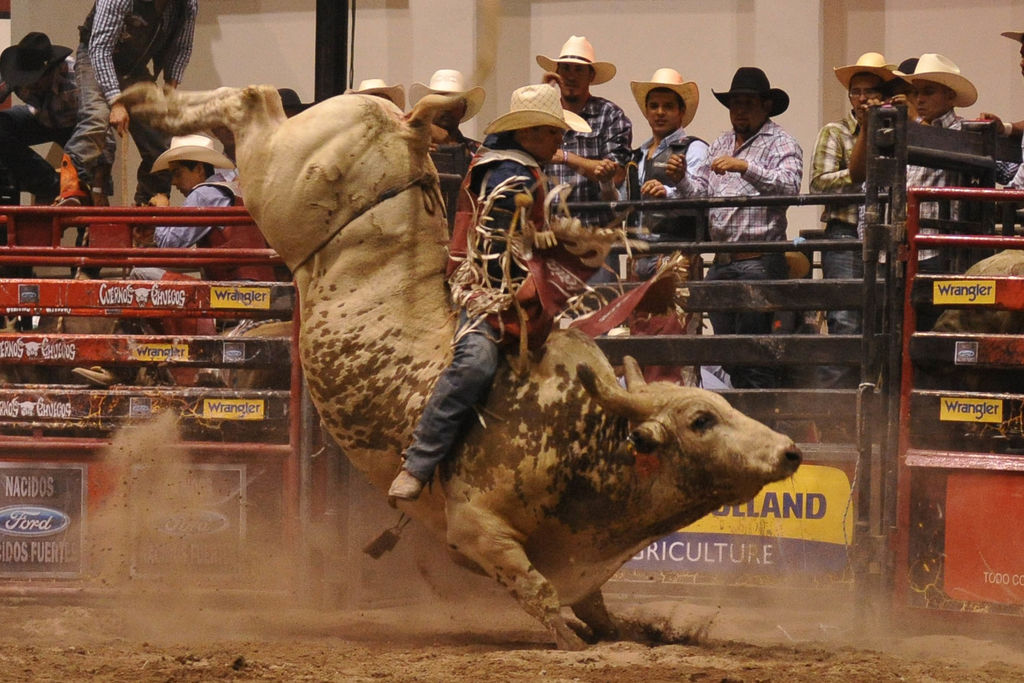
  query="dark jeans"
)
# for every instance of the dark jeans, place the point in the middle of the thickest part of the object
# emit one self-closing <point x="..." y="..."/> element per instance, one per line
<point x="460" y="387"/>
<point x="841" y="265"/>
<point x="19" y="130"/>
<point x="88" y="147"/>
<point x="768" y="267"/>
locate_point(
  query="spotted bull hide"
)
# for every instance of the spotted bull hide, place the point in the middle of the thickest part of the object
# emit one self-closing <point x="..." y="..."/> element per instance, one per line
<point x="568" y="474"/>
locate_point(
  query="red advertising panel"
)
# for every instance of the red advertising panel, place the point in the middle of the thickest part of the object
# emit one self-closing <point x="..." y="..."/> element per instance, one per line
<point x="985" y="537"/>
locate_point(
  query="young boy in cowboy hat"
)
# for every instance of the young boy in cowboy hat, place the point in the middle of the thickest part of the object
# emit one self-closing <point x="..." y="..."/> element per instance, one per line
<point x="594" y="163"/>
<point x="43" y="76"/>
<point x="756" y="157"/>
<point x="491" y="283"/>
<point x="445" y="128"/>
<point x="864" y="82"/>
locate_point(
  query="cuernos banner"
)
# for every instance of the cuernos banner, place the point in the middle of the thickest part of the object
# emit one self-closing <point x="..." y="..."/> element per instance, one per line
<point x="802" y="524"/>
<point x="42" y="520"/>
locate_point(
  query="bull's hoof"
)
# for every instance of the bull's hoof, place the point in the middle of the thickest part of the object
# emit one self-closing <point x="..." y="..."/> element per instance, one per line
<point x="566" y="638"/>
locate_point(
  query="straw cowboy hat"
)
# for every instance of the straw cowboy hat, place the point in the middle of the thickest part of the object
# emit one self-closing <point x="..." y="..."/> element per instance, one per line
<point x="537" y="105"/>
<point x="869" y="62"/>
<point x="450" y="82"/>
<point x="192" y="148"/>
<point x="749" y="80"/>
<point x="671" y="80"/>
<point x="936" y="68"/>
<point x="26" y="62"/>
<point x="578" y="50"/>
<point x="377" y="86"/>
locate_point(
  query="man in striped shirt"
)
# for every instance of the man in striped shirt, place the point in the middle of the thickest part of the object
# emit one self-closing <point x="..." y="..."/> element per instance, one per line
<point x="119" y="40"/>
<point x="756" y="157"/>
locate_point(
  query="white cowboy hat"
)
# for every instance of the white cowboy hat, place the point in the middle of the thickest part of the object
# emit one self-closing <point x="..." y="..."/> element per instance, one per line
<point x="192" y="148"/>
<point x="670" y="79"/>
<point x="578" y="50"/>
<point x="379" y="87"/>
<point x="935" y="68"/>
<point x="869" y="62"/>
<point x="537" y="105"/>
<point x="450" y="82"/>
<point x="1017" y="36"/>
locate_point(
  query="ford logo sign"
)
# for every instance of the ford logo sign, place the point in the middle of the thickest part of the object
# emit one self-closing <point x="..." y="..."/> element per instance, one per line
<point x="194" y="523"/>
<point x="32" y="520"/>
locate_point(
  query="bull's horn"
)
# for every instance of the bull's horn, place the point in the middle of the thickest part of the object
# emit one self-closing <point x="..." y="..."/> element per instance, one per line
<point x="634" y="376"/>
<point x="422" y="115"/>
<point x="611" y="396"/>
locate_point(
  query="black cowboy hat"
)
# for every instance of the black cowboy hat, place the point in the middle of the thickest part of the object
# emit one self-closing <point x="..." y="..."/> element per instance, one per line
<point x="749" y="80"/>
<point x="26" y="62"/>
<point x="291" y="101"/>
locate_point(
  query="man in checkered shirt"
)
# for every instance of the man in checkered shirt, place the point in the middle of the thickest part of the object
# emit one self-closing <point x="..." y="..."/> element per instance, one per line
<point x="756" y="157"/>
<point x="592" y="163"/>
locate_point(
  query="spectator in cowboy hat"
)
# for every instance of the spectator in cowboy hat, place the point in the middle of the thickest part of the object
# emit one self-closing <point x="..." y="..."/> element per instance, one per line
<point x="507" y="172"/>
<point x="864" y="83"/>
<point x="43" y="76"/>
<point x="593" y="164"/>
<point x="1017" y="182"/>
<point x="380" y="88"/>
<point x="445" y="129"/>
<point x="756" y="157"/>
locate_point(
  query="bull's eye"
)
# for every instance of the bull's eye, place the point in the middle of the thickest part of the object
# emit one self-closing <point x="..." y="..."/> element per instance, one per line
<point x="703" y="422"/>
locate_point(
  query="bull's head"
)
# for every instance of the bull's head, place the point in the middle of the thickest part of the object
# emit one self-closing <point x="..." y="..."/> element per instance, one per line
<point x="700" y="442"/>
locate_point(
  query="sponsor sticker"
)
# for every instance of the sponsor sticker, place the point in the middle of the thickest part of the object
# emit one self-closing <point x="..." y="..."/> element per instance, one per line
<point x="964" y="292"/>
<point x="965" y="353"/>
<point x="255" y="298"/>
<point x="159" y="353"/>
<point x="233" y="408"/>
<point x="959" y="409"/>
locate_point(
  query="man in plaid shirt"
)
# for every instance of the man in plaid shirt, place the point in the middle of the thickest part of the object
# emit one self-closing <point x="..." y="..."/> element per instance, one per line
<point x="118" y="41"/>
<point x="592" y="163"/>
<point x="756" y="157"/>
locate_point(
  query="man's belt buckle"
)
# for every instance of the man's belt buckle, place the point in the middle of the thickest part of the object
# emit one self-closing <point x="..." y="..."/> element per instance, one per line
<point x="725" y="258"/>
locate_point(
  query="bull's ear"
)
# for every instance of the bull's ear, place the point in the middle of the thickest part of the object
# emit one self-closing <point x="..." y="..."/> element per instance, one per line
<point x="422" y="115"/>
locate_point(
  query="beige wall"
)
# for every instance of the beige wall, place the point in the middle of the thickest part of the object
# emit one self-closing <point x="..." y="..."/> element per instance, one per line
<point x="797" y="42"/>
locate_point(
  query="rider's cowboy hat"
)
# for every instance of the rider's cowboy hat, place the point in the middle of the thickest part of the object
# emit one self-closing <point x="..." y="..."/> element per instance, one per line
<point x="536" y="105"/>
<point x="936" y="68"/>
<point x="578" y="50"/>
<point x="869" y="62"/>
<point x="192" y="148"/>
<point x="749" y="80"/>
<point x="26" y="62"/>
<point x="669" y="79"/>
<point x="379" y="87"/>
<point x="450" y="82"/>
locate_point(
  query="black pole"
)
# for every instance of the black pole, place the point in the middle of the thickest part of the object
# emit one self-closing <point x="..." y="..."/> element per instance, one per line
<point x="331" y="64"/>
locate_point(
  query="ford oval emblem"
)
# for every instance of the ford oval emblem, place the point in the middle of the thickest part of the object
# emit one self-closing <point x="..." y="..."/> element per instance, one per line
<point x="32" y="520"/>
<point x="194" y="523"/>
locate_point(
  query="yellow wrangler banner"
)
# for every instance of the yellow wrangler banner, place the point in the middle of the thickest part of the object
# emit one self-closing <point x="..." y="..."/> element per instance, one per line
<point x="257" y="298"/>
<point x="957" y="409"/>
<point x="964" y="292"/>
<point x="813" y="505"/>
<point x="233" y="408"/>
<point x="159" y="353"/>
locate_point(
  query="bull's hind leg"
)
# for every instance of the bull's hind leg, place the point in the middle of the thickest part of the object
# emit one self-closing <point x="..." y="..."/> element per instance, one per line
<point x="591" y="611"/>
<point x="497" y="548"/>
<point x="183" y="112"/>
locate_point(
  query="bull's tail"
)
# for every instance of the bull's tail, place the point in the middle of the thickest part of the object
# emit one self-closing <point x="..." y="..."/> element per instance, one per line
<point x="180" y="113"/>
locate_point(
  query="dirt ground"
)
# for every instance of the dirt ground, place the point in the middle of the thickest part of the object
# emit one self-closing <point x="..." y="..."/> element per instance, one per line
<point x="158" y="638"/>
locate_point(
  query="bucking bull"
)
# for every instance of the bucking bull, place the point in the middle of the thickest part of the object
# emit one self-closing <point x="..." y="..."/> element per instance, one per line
<point x="568" y="474"/>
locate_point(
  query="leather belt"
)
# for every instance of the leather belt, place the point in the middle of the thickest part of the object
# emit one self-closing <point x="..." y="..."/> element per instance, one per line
<point x="724" y="259"/>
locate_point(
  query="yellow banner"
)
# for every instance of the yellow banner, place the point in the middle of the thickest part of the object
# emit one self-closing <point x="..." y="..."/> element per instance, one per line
<point x="159" y="353"/>
<point x="233" y="408"/>
<point x="957" y="409"/>
<point x="964" y="292"/>
<point x="813" y="505"/>
<point x="222" y="296"/>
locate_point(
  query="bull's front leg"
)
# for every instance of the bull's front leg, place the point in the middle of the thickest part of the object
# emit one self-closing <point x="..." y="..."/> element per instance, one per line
<point x="592" y="611"/>
<point x="489" y="541"/>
